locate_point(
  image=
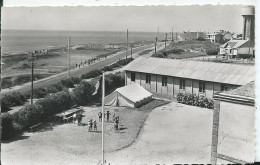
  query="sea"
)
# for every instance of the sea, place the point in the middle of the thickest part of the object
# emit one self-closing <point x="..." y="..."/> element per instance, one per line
<point x="21" y="41"/>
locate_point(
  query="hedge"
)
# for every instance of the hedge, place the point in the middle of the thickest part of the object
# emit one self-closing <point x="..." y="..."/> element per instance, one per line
<point x="15" y="99"/>
<point x="91" y="74"/>
<point x="82" y="94"/>
<point x="28" y="116"/>
<point x="7" y="126"/>
<point x="195" y="100"/>
<point x="212" y="52"/>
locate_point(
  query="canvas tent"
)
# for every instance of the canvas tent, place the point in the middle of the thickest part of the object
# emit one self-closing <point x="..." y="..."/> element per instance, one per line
<point x="133" y="95"/>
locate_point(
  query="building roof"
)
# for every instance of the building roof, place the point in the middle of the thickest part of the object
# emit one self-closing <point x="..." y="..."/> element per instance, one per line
<point x="234" y="43"/>
<point x="247" y="90"/>
<point x="198" y="70"/>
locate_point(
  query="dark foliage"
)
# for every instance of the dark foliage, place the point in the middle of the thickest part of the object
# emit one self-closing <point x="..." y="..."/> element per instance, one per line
<point x="194" y="100"/>
<point x="7" y="126"/>
<point x="15" y="99"/>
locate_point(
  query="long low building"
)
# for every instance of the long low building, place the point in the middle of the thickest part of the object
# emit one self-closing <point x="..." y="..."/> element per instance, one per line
<point x="170" y="76"/>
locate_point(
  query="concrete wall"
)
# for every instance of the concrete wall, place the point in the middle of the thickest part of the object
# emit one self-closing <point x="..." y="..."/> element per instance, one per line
<point x="176" y="85"/>
<point x="170" y="86"/>
<point x="236" y="131"/>
<point x="188" y="86"/>
<point x="153" y="83"/>
<point x="159" y="84"/>
<point x="143" y="79"/>
<point x="128" y="78"/>
<point x="138" y="78"/>
<point x="209" y="90"/>
<point x="195" y="84"/>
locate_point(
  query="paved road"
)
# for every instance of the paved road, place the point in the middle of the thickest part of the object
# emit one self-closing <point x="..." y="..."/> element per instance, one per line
<point x="74" y="73"/>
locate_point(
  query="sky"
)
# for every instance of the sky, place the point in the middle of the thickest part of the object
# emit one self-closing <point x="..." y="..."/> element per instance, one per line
<point x="146" y="18"/>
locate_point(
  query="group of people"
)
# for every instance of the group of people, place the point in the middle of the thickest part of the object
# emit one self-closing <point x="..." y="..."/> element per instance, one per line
<point x="92" y="124"/>
<point x="89" y="61"/>
<point x="106" y="116"/>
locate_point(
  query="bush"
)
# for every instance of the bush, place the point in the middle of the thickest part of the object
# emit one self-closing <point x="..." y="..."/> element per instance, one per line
<point x="70" y="82"/>
<point x="15" y="99"/>
<point x="39" y="92"/>
<point x="7" y="126"/>
<point x="159" y="55"/>
<point x="28" y="116"/>
<point x="200" y="38"/>
<point x="92" y="74"/>
<point x="55" y="103"/>
<point x="175" y="51"/>
<point x="82" y="94"/>
<point x="6" y="83"/>
<point x="194" y="100"/>
<point x="212" y="52"/>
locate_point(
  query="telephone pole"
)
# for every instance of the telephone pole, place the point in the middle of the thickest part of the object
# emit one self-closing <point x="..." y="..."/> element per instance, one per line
<point x="155" y="44"/>
<point x="126" y="44"/>
<point x="33" y="57"/>
<point x="69" y="57"/>
<point x="165" y="39"/>
<point x="172" y="34"/>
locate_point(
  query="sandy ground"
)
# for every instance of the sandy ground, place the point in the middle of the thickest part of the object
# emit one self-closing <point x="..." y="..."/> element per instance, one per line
<point x="173" y="133"/>
<point x="73" y="144"/>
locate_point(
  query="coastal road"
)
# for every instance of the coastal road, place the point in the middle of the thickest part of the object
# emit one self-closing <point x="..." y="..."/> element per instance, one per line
<point x="25" y="88"/>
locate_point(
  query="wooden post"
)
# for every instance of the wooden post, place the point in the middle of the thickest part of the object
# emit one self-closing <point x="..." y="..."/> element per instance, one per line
<point x="155" y="45"/>
<point x="172" y="34"/>
<point x="69" y="57"/>
<point x="215" y="127"/>
<point x="32" y="80"/>
<point x="165" y="39"/>
<point x="103" y="97"/>
<point x="126" y="43"/>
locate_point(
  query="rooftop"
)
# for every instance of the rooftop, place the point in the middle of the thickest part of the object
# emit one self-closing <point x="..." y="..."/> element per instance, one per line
<point x="206" y="71"/>
<point x="247" y="90"/>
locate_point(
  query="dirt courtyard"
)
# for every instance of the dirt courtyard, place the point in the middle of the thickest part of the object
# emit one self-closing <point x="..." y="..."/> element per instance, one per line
<point x="173" y="133"/>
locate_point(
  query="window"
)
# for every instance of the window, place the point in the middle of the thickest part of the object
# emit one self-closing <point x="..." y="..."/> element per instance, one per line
<point x="202" y="87"/>
<point x="132" y="76"/>
<point x="148" y="78"/>
<point x="182" y="84"/>
<point x="164" y="81"/>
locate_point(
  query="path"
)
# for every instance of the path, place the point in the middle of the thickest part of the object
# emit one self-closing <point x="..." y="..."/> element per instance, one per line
<point x="75" y="72"/>
<point x="174" y="133"/>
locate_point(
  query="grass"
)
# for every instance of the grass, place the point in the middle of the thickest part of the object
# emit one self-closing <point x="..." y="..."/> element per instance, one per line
<point x="131" y="122"/>
<point x="8" y="82"/>
<point x="145" y="52"/>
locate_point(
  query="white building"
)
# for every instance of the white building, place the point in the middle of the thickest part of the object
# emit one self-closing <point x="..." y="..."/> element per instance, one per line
<point x="233" y="48"/>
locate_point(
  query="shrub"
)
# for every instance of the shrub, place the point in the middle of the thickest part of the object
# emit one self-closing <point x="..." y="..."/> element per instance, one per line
<point x="55" y="103"/>
<point x="175" y="51"/>
<point x="28" y="116"/>
<point x="159" y="55"/>
<point x="70" y="82"/>
<point x="15" y="99"/>
<point x="6" y="83"/>
<point x="191" y="99"/>
<point x="39" y="92"/>
<point x="7" y="126"/>
<point x="212" y="52"/>
<point x="82" y="94"/>
<point x="91" y="74"/>
<point x="245" y="56"/>
<point x="200" y="38"/>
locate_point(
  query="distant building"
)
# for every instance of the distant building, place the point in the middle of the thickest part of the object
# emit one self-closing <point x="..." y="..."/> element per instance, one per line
<point x="233" y="48"/>
<point x="112" y="46"/>
<point x="169" y="76"/>
<point x="213" y="37"/>
<point x="187" y="36"/>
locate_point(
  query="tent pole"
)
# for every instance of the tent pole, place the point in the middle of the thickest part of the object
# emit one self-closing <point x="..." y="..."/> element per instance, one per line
<point x="103" y="95"/>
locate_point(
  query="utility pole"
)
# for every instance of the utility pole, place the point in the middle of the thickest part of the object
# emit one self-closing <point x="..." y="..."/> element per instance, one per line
<point x="69" y="57"/>
<point x="126" y="43"/>
<point x="165" y="39"/>
<point x="131" y="51"/>
<point x="33" y="56"/>
<point x="172" y="34"/>
<point x="155" y="44"/>
<point x="176" y="36"/>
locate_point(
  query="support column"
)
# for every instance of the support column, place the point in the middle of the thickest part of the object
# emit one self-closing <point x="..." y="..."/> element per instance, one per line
<point x="215" y="127"/>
